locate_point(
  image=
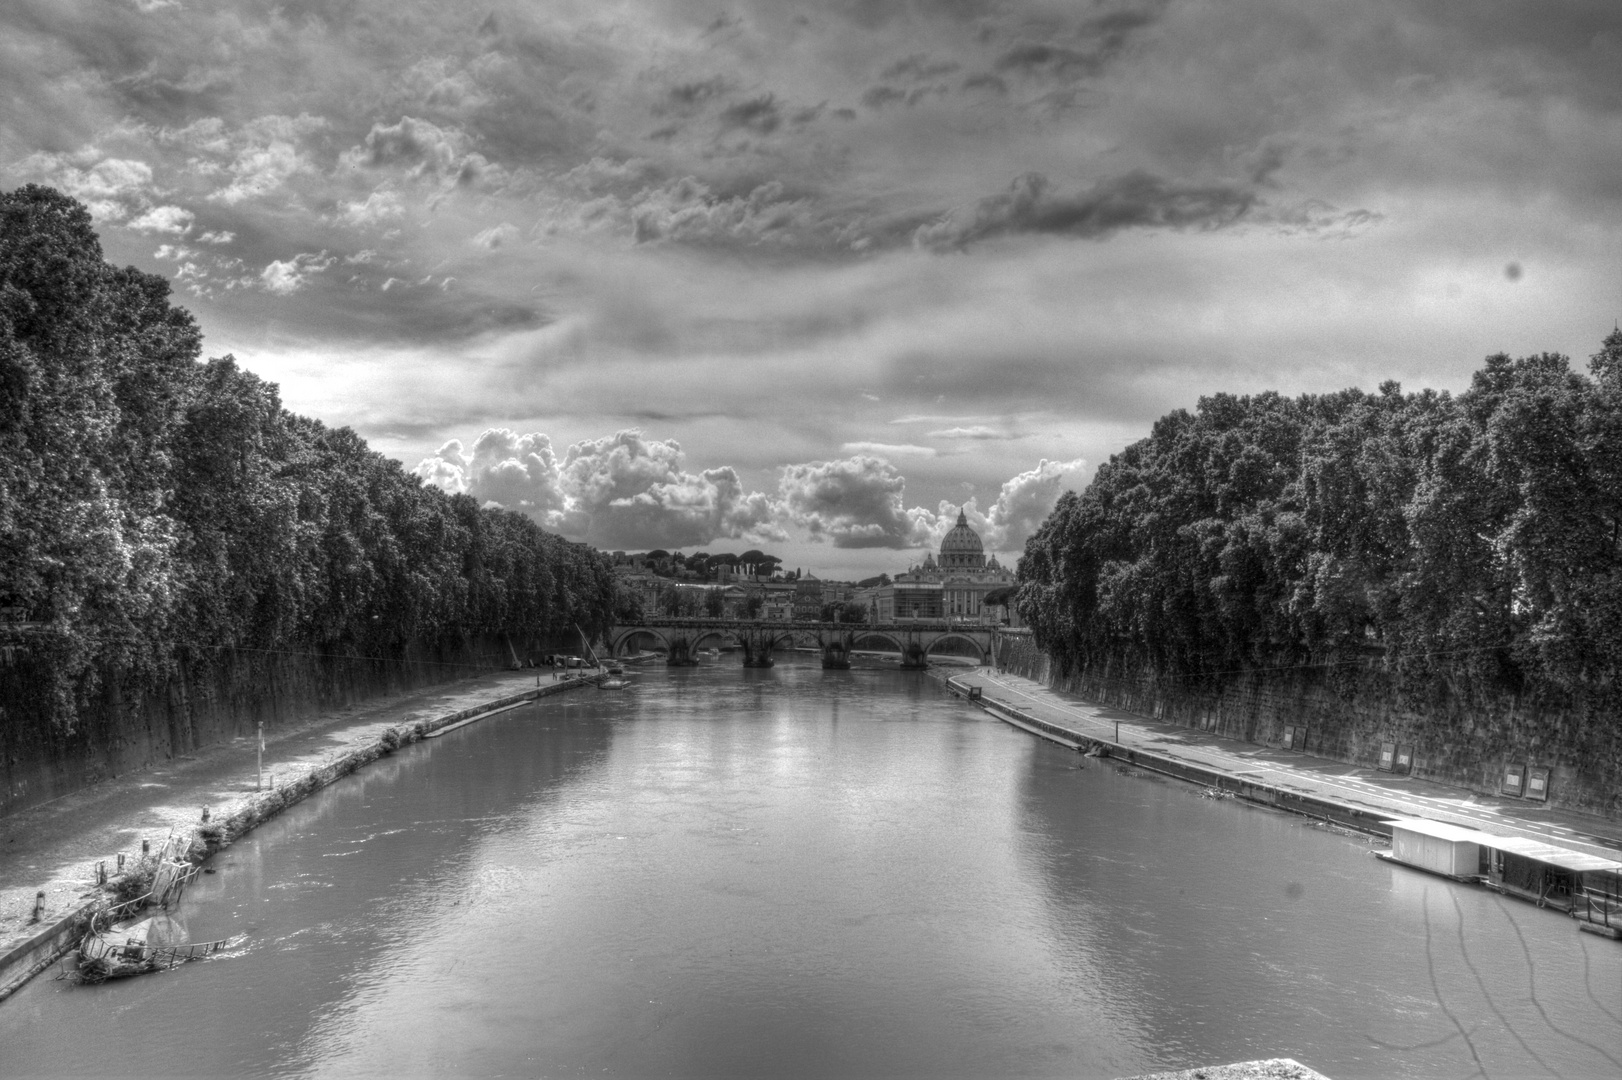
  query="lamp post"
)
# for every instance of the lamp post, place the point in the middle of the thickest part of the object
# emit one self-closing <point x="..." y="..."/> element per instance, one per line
<point x="259" y="771"/>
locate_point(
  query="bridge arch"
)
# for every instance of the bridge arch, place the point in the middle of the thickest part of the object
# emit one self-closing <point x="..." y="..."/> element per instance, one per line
<point x="980" y="651"/>
<point x="697" y="643"/>
<point x="863" y="634"/>
<point x="616" y="647"/>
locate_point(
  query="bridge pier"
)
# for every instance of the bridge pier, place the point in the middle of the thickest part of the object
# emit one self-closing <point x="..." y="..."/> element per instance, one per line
<point x="836" y="650"/>
<point x="757" y="648"/>
<point x="681" y="654"/>
<point x="913" y="657"/>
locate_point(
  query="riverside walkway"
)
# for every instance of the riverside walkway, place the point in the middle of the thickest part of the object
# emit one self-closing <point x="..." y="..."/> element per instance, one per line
<point x="1363" y="793"/>
<point x="55" y="848"/>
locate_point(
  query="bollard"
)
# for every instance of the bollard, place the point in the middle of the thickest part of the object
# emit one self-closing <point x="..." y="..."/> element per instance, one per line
<point x="101" y="873"/>
<point x="205" y="815"/>
<point x="39" y="905"/>
<point x="121" y="861"/>
<point x="146" y="847"/>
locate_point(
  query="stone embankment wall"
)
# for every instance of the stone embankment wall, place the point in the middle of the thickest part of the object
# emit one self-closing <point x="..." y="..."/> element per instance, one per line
<point x="1349" y="712"/>
<point x="33" y="955"/>
<point x="127" y="728"/>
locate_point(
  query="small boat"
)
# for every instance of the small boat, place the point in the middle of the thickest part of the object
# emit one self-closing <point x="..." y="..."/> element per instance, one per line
<point x="614" y="682"/>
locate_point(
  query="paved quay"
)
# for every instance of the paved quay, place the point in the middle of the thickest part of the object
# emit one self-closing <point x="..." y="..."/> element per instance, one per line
<point x="54" y="848"/>
<point x="1362" y="790"/>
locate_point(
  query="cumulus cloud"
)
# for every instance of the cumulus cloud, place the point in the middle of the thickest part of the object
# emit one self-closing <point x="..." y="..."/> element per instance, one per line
<point x="618" y="491"/>
<point x="627" y="491"/>
<point x="171" y="220"/>
<point x="856" y="502"/>
<point x="1021" y="506"/>
<point x="259" y="157"/>
<point x="496" y="236"/>
<point x="377" y="207"/>
<point x="423" y="147"/>
<point x="287" y="276"/>
<point x="687" y="210"/>
<point x="1136" y="199"/>
<point x="112" y="188"/>
<point x="1026" y="500"/>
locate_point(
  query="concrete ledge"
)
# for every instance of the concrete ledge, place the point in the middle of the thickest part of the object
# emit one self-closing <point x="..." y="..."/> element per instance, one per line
<point x="22" y="962"/>
<point x="1255" y="791"/>
<point x="39" y="952"/>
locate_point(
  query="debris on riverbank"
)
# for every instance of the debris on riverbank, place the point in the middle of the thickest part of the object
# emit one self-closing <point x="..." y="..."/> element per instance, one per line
<point x="30" y="945"/>
<point x="1270" y="1069"/>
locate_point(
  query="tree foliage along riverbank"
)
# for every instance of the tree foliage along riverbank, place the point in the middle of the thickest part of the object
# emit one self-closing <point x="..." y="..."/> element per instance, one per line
<point x="1469" y="541"/>
<point x="154" y="510"/>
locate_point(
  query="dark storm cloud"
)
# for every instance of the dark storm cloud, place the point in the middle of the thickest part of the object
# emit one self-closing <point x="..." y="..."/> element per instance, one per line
<point x="878" y="97"/>
<point x="1137" y="199"/>
<point x="986" y="81"/>
<point x="918" y="67"/>
<point x="688" y="98"/>
<point x="760" y="115"/>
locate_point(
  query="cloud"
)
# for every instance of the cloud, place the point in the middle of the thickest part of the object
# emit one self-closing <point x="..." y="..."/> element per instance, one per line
<point x="760" y="115"/>
<point x="856" y="502"/>
<point x="687" y="98"/>
<point x="377" y="207"/>
<point x="687" y="210"/>
<point x="425" y="148"/>
<point x="259" y="157"/>
<point x="918" y="66"/>
<point x="618" y="491"/>
<point x="878" y="97"/>
<point x="287" y="276"/>
<point x="496" y="235"/>
<point x="217" y="236"/>
<point x="1136" y="199"/>
<point x="112" y="188"/>
<point x="1026" y="500"/>
<point x="887" y="449"/>
<point x="978" y="431"/>
<point x="164" y="219"/>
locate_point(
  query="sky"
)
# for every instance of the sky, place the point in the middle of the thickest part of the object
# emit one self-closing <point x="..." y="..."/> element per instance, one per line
<point x="813" y="277"/>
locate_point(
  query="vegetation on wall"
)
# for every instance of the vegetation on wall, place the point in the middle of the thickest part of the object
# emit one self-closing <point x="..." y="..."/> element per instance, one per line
<point x="1469" y="540"/>
<point x="154" y="509"/>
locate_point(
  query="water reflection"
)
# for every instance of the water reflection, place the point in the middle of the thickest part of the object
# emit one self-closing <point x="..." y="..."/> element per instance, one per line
<point x="804" y="873"/>
<point x="1232" y="933"/>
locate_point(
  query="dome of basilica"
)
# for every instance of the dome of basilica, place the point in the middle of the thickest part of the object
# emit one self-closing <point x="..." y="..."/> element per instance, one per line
<point x="962" y="539"/>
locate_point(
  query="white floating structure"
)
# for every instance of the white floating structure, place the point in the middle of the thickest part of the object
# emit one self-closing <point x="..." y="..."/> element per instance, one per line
<point x="1449" y="850"/>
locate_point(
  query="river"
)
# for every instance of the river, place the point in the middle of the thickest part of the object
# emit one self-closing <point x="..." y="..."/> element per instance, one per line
<point x="726" y="873"/>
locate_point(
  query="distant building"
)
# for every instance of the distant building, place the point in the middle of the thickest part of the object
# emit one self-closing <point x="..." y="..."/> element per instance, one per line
<point x="952" y="589"/>
<point x="808" y="598"/>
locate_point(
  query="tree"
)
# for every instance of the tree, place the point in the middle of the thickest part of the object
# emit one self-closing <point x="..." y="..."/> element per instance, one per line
<point x="714" y="603"/>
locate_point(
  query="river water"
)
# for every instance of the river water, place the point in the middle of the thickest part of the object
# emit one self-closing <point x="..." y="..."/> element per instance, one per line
<point x="725" y="873"/>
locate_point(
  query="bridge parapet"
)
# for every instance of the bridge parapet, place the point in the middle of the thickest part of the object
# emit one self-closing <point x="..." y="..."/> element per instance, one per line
<point x="683" y="636"/>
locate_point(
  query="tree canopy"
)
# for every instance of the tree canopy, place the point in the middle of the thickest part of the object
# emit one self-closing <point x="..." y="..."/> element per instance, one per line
<point x="154" y="509"/>
<point x="1477" y="534"/>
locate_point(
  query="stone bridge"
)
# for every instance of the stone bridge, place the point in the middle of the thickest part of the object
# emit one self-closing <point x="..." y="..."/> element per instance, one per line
<point x="684" y="637"/>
